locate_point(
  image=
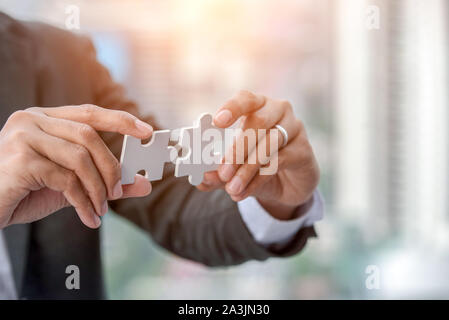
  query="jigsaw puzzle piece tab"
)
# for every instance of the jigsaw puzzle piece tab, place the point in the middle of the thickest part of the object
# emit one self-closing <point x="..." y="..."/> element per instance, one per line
<point x="191" y="138"/>
<point x="150" y="157"/>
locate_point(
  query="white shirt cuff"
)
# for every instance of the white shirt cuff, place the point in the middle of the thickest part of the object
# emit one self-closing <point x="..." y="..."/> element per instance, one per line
<point x="267" y="230"/>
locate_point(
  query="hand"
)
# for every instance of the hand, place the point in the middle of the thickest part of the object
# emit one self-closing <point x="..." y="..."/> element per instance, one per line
<point x="298" y="174"/>
<point x="51" y="158"/>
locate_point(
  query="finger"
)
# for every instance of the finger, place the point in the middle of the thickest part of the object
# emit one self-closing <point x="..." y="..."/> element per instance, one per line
<point x="264" y="118"/>
<point x="211" y="182"/>
<point x="76" y="158"/>
<point x="253" y="187"/>
<point x="297" y="153"/>
<point x="246" y="172"/>
<point x="140" y="188"/>
<point x="57" y="178"/>
<point x="102" y="119"/>
<point x="83" y="134"/>
<point x="275" y="112"/>
<point x="243" y="103"/>
<point x="265" y="151"/>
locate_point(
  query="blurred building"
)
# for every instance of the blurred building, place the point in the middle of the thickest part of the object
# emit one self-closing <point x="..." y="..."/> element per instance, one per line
<point x="392" y="142"/>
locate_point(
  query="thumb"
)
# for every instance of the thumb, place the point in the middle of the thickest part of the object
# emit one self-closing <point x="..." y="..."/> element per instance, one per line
<point x="140" y="188"/>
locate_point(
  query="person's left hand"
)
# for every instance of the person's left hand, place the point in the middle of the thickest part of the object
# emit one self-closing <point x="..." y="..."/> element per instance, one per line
<point x="298" y="174"/>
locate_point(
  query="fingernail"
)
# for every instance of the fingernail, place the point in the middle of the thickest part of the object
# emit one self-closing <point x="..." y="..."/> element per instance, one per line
<point x="143" y="126"/>
<point x="117" y="192"/>
<point x="226" y="172"/>
<point x="97" y="221"/>
<point x="104" y="208"/>
<point x="223" y="117"/>
<point x="235" y="185"/>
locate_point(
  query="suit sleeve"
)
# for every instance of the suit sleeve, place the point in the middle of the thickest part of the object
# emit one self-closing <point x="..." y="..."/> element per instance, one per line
<point x="204" y="227"/>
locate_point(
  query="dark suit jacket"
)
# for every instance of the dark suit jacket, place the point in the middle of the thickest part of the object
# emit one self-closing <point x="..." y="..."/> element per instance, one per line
<point x="44" y="66"/>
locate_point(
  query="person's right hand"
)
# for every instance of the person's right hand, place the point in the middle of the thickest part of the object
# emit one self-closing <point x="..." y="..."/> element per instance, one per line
<point x="51" y="158"/>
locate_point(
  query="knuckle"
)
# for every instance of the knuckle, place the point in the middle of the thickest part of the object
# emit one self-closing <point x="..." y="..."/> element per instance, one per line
<point x="307" y="156"/>
<point x="114" y="170"/>
<point x="19" y="116"/>
<point x="299" y="128"/>
<point x="81" y="153"/>
<point x="286" y="105"/>
<point x="99" y="190"/>
<point x="71" y="181"/>
<point x="309" y="150"/>
<point x="115" y="166"/>
<point x="125" y="118"/>
<point x="18" y="134"/>
<point x="246" y="94"/>
<point x="310" y="166"/>
<point x="20" y="159"/>
<point x="86" y="132"/>
<point x="88" y="111"/>
<point x="259" y="121"/>
<point x="233" y="103"/>
<point x="245" y="172"/>
<point x="247" y="98"/>
<point x="34" y="110"/>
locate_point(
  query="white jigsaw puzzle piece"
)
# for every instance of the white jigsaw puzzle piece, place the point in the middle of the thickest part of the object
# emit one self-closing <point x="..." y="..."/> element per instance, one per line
<point x="150" y="157"/>
<point x="192" y="164"/>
